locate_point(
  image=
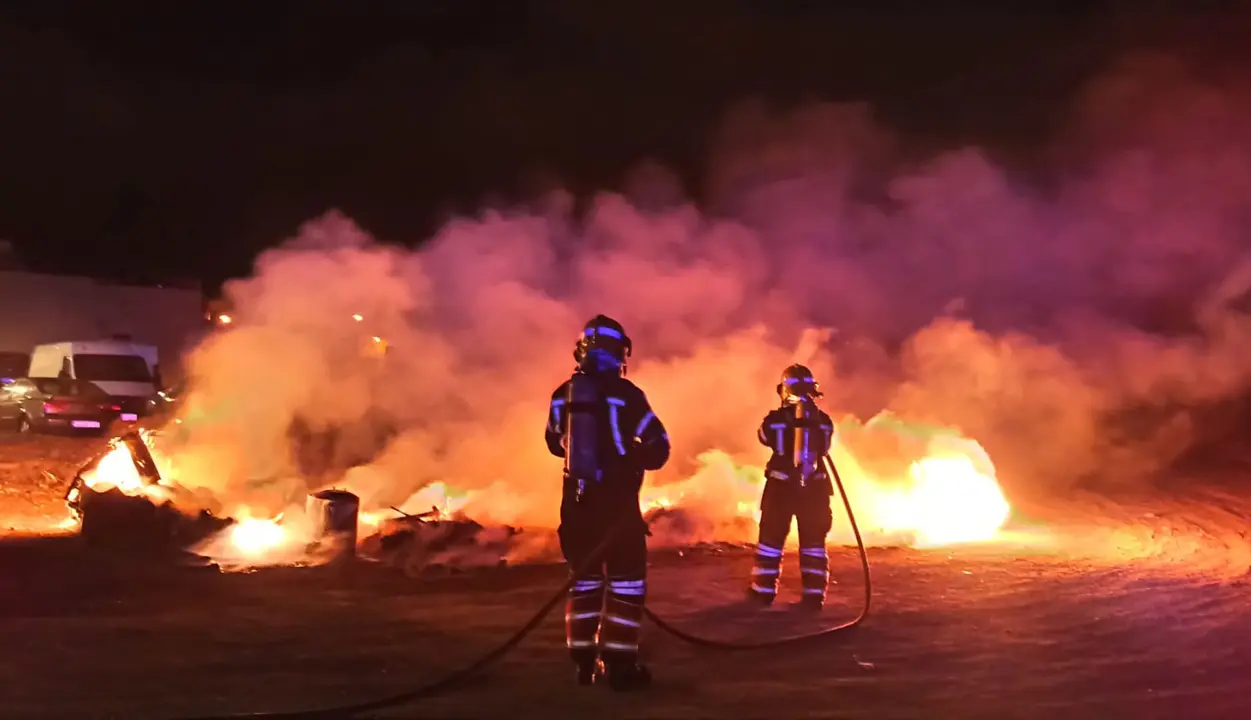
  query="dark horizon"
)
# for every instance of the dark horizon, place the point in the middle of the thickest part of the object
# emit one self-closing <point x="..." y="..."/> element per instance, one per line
<point x="148" y="147"/>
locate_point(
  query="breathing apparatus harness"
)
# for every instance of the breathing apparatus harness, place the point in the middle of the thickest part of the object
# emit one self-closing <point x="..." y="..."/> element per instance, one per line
<point x="577" y="466"/>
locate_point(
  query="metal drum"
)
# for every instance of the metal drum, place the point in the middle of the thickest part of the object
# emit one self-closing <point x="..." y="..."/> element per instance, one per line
<point x="334" y="515"/>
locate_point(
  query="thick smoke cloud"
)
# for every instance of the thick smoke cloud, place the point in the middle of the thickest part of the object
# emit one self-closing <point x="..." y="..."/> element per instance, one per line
<point x="943" y="288"/>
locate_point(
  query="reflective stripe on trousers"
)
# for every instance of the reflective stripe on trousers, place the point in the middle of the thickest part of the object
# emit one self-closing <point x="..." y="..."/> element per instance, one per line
<point x="766" y="569"/>
<point x="582" y="616"/>
<point x="608" y="622"/>
<point x="814" y="569"/>
<point x="623" y="617"/>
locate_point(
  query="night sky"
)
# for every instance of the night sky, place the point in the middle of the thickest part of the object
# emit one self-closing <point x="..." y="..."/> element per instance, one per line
<point x="156" y="141"/>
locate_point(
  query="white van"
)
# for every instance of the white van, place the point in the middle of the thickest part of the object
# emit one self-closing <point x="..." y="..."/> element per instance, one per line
<point x="118" y="367"/>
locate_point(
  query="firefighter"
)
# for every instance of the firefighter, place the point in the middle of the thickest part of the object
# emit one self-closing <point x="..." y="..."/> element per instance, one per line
<point x="604" y="428"/>
<point x="796" y="485"/>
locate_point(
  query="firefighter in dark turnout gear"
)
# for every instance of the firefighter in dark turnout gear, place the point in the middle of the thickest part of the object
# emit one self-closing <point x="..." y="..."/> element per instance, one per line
<point x="796" y="485"/>
<point x="604" y="428"/>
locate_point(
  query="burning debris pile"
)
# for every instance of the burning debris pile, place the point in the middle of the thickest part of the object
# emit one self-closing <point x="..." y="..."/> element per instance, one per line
<point x="914" y="487"/>
<point x="327" y="486"/>
<point x="122" y="500"/>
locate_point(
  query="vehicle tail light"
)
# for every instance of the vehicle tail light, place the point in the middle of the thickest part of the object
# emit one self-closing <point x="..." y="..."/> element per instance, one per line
<point x="54" y="406"/>
<point x="115" y="408"/>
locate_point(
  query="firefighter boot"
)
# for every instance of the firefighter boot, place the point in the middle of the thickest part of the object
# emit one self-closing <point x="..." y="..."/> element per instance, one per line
<point x="589" y="671"/>
<point x="627" y="675"/>
<point x="619" y="634"/>
<point x="759" y="599"/>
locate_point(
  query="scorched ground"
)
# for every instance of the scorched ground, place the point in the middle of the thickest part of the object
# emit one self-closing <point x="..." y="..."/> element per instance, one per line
<point x="1094" y="609"/>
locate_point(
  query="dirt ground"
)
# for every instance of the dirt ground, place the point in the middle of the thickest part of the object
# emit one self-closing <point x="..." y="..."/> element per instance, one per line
<point x="1134" y="609"/>
<point x="34" y="474"/>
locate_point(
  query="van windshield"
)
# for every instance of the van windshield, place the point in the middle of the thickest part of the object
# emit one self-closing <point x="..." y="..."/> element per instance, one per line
<point x="112" y="368"/>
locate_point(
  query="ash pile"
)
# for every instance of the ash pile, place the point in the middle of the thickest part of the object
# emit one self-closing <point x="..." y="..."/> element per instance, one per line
<point x="681" y="529"/>
<point x="435" y="543"/>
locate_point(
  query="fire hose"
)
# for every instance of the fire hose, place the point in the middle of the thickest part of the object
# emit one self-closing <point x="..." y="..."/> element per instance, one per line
<point x="455" y="678"/>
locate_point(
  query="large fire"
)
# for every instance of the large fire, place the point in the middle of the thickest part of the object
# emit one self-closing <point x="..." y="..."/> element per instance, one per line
<point x="949" y="495"/>
<point x="946" y="494"/>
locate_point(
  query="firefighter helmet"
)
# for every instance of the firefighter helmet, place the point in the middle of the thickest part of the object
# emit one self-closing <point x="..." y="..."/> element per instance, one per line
<point x="603" y="335"/>
<point x="798" y="383"/>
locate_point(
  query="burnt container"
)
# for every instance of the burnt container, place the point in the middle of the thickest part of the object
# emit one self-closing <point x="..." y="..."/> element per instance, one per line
<point x="334" y="514"/>
<point x="120" y="522"/>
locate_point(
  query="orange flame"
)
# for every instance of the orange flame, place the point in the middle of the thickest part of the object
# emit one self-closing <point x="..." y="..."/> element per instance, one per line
<point x="117" y="471"/>
<point x="947" y="494"/>
<point x="254" y="537"/>
<point x="951" y="502"/>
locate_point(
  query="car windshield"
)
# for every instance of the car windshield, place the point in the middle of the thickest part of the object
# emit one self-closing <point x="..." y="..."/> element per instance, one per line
<point x="112" y="368"/>
<point x="65" y="387"/>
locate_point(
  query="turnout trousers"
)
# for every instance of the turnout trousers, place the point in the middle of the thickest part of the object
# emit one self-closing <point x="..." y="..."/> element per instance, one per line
<point x="604" y="612"/>
<point x="782" y="500"/>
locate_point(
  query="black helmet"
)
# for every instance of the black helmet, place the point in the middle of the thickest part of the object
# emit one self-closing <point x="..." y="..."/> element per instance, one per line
<point x="602" y="333"/>
<point x="798" y="382"/>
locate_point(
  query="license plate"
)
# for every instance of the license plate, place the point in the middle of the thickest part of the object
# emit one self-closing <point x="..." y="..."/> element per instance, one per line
<point x="85" y="424"/>
<point x="129" y="417"/>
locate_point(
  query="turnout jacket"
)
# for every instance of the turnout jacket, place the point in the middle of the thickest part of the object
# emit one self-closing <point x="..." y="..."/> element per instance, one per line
<point x="790" y="438"/>
<point x="630" y="438"/>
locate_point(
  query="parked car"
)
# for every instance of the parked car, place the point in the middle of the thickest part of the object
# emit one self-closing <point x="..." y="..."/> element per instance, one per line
<point x="46" y="404"/>
<point x="13" y="365"/>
